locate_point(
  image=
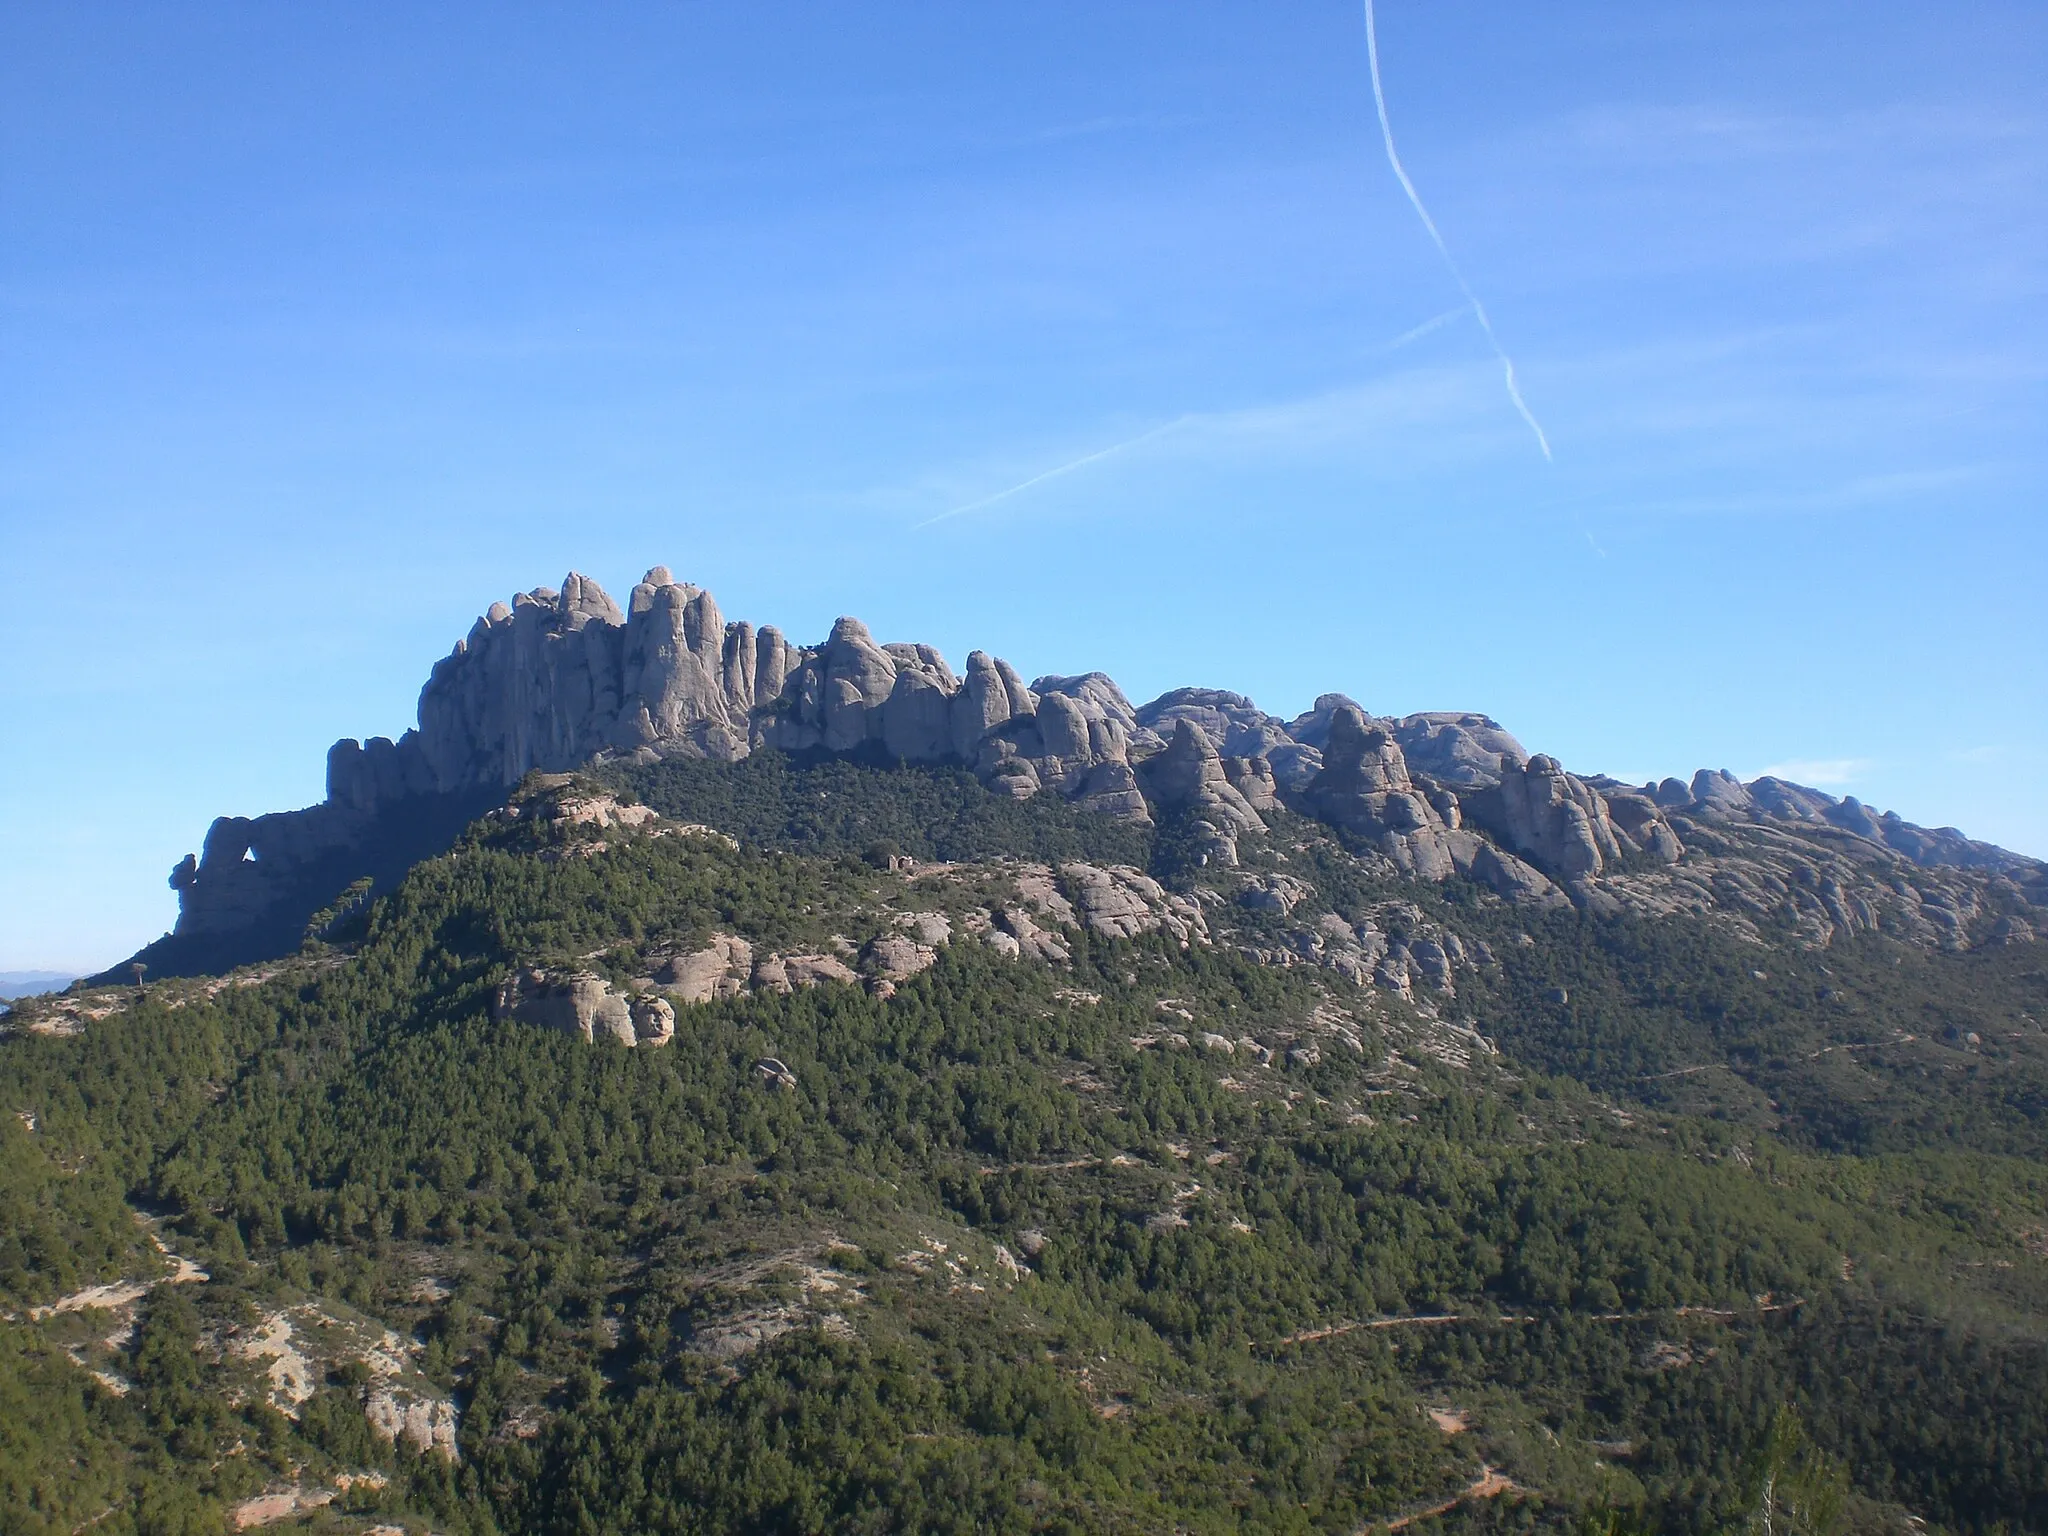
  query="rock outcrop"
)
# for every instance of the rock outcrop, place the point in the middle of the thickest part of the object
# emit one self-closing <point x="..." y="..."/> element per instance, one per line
<point x="1237" y="728"/>
<point x="584" y="1004"/>
<point x="1122" y="903"/>
<point x="1552" y="818"/>
<point x="1460" y="750"/>
<point x="1365" y="788"/>
<point x="557" y="679"/>
<point x="721" y="969"/>
<point x="1190" y="776"/>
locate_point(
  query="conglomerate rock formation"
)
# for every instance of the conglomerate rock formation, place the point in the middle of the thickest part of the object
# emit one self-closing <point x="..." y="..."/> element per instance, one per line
<point x="558" y="679"/>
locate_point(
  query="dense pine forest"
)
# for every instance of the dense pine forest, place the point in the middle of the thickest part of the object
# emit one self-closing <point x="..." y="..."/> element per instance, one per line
<point x="1633" y="1224"/>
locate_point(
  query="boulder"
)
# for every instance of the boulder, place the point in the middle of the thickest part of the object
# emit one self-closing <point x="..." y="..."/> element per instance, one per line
<point x="426" y="1424"/>
<point x="1433" y="960"/>
<point x="1026" y="938"/>
<point x="815" y="970"/>
<point x="933" y="928"/>
<point x="1507" y="876"/>
<point x="654" y="1020"/>
<point x="786" y="973"/>
<point x="1281" y="894"/>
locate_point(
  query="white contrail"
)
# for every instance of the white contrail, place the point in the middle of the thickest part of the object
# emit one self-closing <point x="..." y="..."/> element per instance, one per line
<point x="1426" y="327"/>
<point x="1053" y="474"/>
<point x="1379" y="97"/>
<point x="1435" y="322"/>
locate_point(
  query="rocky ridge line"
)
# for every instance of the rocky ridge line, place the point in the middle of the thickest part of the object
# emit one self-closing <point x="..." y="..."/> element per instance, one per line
<point x="559" y="679"/>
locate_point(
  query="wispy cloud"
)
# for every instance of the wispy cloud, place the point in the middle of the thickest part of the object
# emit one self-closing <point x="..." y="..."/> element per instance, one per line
<point x="1091" y="127"/>
<point x="1988" y="756"/>
<point x="1820" y="772"/>
<point x="1392" y="403"/>
<point x="1434" y="323"/>
<point x="1053" y="474"/>
<point x="1662" y="133"/>
<point x="1846" y="495"/>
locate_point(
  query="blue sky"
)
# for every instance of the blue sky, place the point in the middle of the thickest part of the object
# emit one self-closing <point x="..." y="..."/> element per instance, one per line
<point x="319" y="331"/>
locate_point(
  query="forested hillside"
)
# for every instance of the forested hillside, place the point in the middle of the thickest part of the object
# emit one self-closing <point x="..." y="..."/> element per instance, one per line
<point x="1290" y="1196"/>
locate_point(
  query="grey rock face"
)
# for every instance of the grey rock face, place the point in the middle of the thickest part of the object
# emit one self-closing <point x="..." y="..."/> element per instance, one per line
<point x="1100" y="699"/>
<point x="1718" y="792"/>
<point x="1281" y="894"/>
<point x="1505" y="875"/>
<point x="1454" y="748"/>
<point x="1234" y="725"/>
<point x="1555" y="819"/>
<point x="787" y="973"/>
<point x="895" y="958"/>
<point x="1312" y="729"/>
<point x="1787" y="801"/>
<point x="981" y="706"/>
<point x="654" y="1020"/>
<point x="1364" y="787"/>
<point x="1121" y="903"/>
<point x="721" y="969"/>
<point x="1672" y="794"/>
<point x="1017" y="935"/>
<point x="1718" y="796"/>
<point x="1189" y="775"/>
<point x="1640" y="821"/>
<point x="580" y="1003"/>
<point x="1461" y="750"/>
<point x="1253" y="778"/>
<point x="555" y="678"/>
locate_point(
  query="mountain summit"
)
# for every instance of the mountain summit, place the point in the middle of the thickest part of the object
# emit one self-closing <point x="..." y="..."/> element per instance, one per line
<point x="560" y="679"/>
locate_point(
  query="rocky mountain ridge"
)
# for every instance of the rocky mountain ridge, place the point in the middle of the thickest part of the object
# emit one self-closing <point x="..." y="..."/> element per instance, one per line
<point x="563" y="678"/>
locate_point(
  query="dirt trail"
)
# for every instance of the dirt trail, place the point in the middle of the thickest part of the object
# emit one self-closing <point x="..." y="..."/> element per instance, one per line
<point x="1423" y="1320"/>
<point x="990" y="1169"/>
<point x="1489" y="1484"/>
<point x="1444" y="1319"/>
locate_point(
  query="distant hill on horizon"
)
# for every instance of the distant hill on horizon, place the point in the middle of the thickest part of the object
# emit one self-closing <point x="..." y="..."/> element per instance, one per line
<point x="15" y="984"/>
